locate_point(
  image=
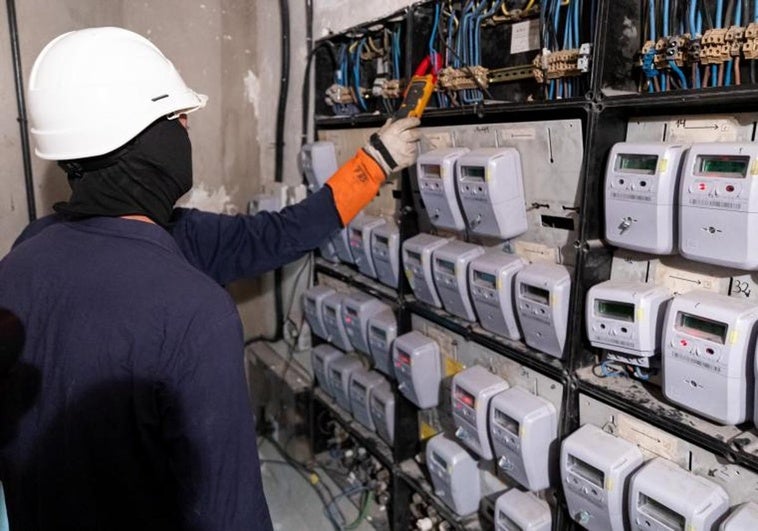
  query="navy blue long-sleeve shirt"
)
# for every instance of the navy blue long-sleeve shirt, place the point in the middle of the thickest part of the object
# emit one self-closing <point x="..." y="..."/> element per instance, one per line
<point x="129" y="408"/>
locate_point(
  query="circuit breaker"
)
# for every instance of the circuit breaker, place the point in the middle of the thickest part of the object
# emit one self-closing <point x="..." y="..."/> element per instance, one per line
<point x="383" y="411"/>
<point x="436" y="181"/>
<point x="491" y="278"/>
<point x="360" y="230"/>
<point x="709" y="345"/>
<point x="594" y="468"/>
<point x="318" y="161"/>
<point x="313" y="307"/>
<point x="340" y="372"/>
<point x="322" y="357"/>
<point x="382" y="331"/>
<point x="454" y="475"/>
<point x="385" y="251"/>
<point x="745" y="518"/>
<point x="417" y="261"/>
<point x="641" y="202"/>
<point x="418" y="368"/>
<point x="333" y="323"/>
<point x="627" y="317"/>
<point x="664" y="496"/>
<point x="524" y="430"/>
<point x="362" y="384"/>
<point x="450" y="264"/>
<point x="357" y="309"/>
<point x="491" y="188"/>
<point x="516" y="510"/>
<point x="472" y="391"/>
<point x="543" y="292"/>
<point x="719" y="204"/>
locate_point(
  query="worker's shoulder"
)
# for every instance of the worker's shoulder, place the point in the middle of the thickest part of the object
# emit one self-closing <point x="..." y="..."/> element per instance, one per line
<point x="36" y="227"/>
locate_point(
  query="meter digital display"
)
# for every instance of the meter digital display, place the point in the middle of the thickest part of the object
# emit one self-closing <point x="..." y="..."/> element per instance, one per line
<point x="637" y="163"/>
<point x="735" y="166"/>
<point x="621" y="311"/>
<point x="491" y="280"/>
<point x="451" y="263"/>
<point x="333" y="323"/>
<point x="318" y="161"/>
<point x="313" y="307"/>
<point x="704" y="328"/>
<point x="362" y="385"/>
<point x="535" y="294"/>
<point x="360" y="242"/>
<point x="486" y="280"/>
<point x="358" y="308"/>
<point x="385" y="251"/>
<point x="418" y="368"/>
<point x="491" y="188"/>
<point x="431" y="171"/>
<point x="435" y="171"/>
<point x="383" y="411"/>
<point x="417" y="261"/>
<point x="382" y="331"/>
<point x="516" y="510"/>
<point x="454" y="475"/>
<point x="322" y="357"/>
<point x="340" y="374"/>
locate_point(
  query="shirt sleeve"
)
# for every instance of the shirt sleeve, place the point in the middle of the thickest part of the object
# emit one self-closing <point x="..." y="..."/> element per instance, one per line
<point x="209" y="430"/>
<point x="229" y="248"/>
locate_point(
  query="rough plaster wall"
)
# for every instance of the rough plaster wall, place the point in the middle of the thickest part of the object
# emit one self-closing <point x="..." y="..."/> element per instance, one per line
<point x="334" y="16"/>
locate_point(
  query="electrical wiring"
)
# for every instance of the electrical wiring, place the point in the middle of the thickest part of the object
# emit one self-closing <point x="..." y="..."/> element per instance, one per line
<point x="345" y="494"/>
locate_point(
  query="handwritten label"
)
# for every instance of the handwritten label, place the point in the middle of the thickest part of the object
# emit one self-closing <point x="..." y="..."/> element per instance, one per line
<point x="536" y="252"/>
<point x="649" y="438"/>
<point x="525" y="36"/>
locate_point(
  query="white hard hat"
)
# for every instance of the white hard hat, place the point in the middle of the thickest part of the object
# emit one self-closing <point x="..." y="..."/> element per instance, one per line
<point x="93" y="90"/>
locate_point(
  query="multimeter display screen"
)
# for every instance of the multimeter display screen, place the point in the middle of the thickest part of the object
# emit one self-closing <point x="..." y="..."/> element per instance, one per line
<point x="414" y="256"/>
<point x="586" y="471"/>
<point x="722" y="166"/>
<point x="510" y="424"/>
<point x="431" y="171"/>
<point x="465" y="397"/>
<point x="637" y="163"/>
<point x="620" y="311"/>
<point x="536" y="294"/>
<point x="378" y="332"/>
<point x="359" y="386"/>
<point x="441" y="462"/>
<point x="703" y="328"/>
<point x="448" y="267"/>
<point x="382" y="240"/>
<point x="485" y="279"/>
<point x="473" y="173"/>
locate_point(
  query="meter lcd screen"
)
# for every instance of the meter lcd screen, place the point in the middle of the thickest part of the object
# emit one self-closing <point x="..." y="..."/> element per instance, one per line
<point x="378" y="332"/>
<point x="403" y="357"/>
<point x="414" y="256"/>
<point x="473" y="173"/>
<point x="509" y="525"/>
<point x="441" y="462"/>
<point x="358" y="234"/>
<point x="382" y="240"/>
<point x="637" y="163"/>
<point x="465" y="397"/>
<point x="449" y="267"/>
<point x="702" y="328"/>
<point x="510" y="424"/>
<point x="351" y="311"/>
<point x="587" y="471"/>
<point x="536" y="294"/>
<point x="377" y="403"/>
<point x="663" y="514"/>
<point x="431" y="171"/>
<point x="485" y="279"/>
<point x="336" y="374"/>
<point x="722" y="166"/>
<point x="332" y="312"/>
<point x="311" y="305"/>
<point x="620" y="311"/>
<point x="361" y="388"/>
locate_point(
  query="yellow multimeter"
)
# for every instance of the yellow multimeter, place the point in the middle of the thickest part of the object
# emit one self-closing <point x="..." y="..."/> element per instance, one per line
<point x="416" y="97"/>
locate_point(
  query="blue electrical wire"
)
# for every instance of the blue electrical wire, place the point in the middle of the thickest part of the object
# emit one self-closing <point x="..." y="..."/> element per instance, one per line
<point x="357" y="74"/>
<point x="755" y="11"/>
<point x="717" y="23"/>
<point x="396" y="52"/>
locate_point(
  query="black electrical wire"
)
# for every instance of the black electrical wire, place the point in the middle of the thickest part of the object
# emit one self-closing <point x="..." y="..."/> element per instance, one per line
<point x="307" y="77"/>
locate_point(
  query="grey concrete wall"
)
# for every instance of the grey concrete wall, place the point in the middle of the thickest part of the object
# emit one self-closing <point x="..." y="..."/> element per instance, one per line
<point x="334" y="16"/>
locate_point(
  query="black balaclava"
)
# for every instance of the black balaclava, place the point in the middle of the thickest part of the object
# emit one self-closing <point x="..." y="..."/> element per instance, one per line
<point x="146" y="176"/>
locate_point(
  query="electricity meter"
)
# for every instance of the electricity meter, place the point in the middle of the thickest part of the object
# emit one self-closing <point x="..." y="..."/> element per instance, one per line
<point x="360" y="242"/>
<point x="454" y="474"/>
<point x="385" y="251"/>
<point x="543" y="292"/>
<point x="450" y="265"/>
<point x="318" y="161"/>
<point x="436" y="181"/>
<point x="341" y="241"/>
<point x="594" y="467"/>
<point x="328" y="251"/>
<point x="491" y="189"/>
<point x="418" y="368"/>
<point x="708" y="348"/>
<point x="362" y="385"/>
<point x="627" y="317"/>
<point x="357" y="309"/>
<point x="641" y="205"/>
<point x="517" y="510"/>
<point x="333" y="323"/>
<point x="719" y="204"/>
<point x="524" y="428"/>
<point x="382" y="331"/>
<point x="313" y="302"/>
<point x="340" y="372"/>
<point x="383" y="411"/>
<point x="322" y="357"/>
<point x="473" y="388"/>
<point x="664" y="496"/>
<point x="743" y="519"/>
<point x="417" y="260"/>
<point x="491" y="278"/>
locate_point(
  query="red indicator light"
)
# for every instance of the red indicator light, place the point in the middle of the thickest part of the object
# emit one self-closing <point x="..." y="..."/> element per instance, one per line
<point x="701" y="187"/>
<point x="683" y="342"/>
<point x="729" y="188"/>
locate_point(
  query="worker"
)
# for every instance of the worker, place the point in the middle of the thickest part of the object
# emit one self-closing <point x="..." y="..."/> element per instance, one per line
<point x="128" y="408"/>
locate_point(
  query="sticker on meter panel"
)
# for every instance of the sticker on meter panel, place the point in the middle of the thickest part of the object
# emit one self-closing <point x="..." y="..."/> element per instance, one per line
<point x="681" y="281"/>
<point x="426" y="431"/>
<point x="641" y="315"/>
<point x="663" y="165"/>
<point x="499" y="284"/>
<point x="487" y="175"/>
<point x="734" y="336"/>
<point x="754" y="168"/>
<point x="609" y="484"/>
<point x="452" y="367"/>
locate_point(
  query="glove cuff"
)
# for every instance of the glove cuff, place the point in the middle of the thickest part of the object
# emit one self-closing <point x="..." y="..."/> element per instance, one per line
<point x="355" y="184"/>
<point x="376" y="142"/>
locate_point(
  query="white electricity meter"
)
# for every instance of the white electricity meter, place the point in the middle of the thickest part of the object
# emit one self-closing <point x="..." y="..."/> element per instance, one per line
<point x="450" y="264"/>
<point x="328" y="251"/>
<point x="543" y="292"/>
<point x="473" y="388"/>
<point x="708" y="351"/>
<point x="719" y="204"/>
<point x="333" y="323"/>
<point x="664" y="496"/>
<point x="743" y="519"/>
<point x="491" y="189"/>
<point x="340" y="372"/>
<point x="627" y="317"/>
<point x="516" y="510"/>
<point x="594" y="468"/>
<point x="318" y="161"/>
<point x="360" y="242"/>
<point x="641" y="205"/>
<point x="385" y="251"/>
<point x="313" y="307"/>
<point x="436" y="181"/>
<point x="417" y="261"/>
<point x="383" y="411"/>
<point x="357" y="309"/>
<point x="491" y="278"/>
<point x="454" y="475"/>
<point x="382" y="331"/>
<point x="524" y="429"/>
<point x="341" y="241"/>
<point x="362" y="385"/>
<point x="322" y="357"/>
<point x="418" y="368"/>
